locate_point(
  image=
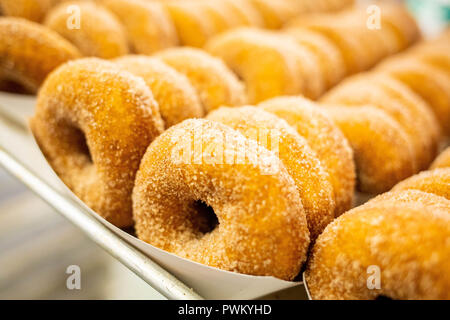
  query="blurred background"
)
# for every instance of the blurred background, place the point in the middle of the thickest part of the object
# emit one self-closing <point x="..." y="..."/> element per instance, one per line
<point x="37" y="245"/>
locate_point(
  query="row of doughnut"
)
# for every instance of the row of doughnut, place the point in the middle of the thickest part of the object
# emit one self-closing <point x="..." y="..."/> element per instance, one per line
<point x="404" y="234"/>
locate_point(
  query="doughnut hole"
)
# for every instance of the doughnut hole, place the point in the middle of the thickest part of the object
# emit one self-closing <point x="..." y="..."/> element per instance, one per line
<point x="206" y="219"/>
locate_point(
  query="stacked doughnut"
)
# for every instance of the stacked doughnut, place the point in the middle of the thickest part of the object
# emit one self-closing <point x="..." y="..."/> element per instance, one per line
<point x="314" y="52"/>
<point x="401" y="237"/>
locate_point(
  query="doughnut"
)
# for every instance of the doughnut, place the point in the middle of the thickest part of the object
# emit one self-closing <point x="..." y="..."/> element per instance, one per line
<point x="20" y="40"/>
<point x="245" y="13"/>
<point x="435" y="181"/>
<point x="266" y="63"/>
<point x="414" y="119"/>
<point x="382" y="151"/>
<point x="93" y="122"/>
<point x="216" y="85"/>
<point x="325" y="138"/>
<point x="100" y="34"/>
<point x="331" y="62"/>
<point x="405" y="241"/>
<point x="174" y="93"/>
<point x="33" y="10"/>
<point x="443" y="160"/>
<point x="220" y="208"/>
<point x="190" y="23"/>
<point x="220" y="15"/>
<point x="301" y="162"/>
<point x="147" y="24"/>
<point x="275" y="13"/>
<point x="430" y="83"/>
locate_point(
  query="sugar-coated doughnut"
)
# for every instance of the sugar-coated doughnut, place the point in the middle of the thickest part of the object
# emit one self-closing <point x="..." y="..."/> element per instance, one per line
<point x="265" y="63"/>
<point x="435" y="181"/>
<point x="93" y="123"/>
<point x="443" y="160"/>
<point x="33" y="10"/>
<point x="397" y="244"/>
<point x="416" y="119"/>
<point x="216" y="85"/>
<point x="432" y="84"/>
<point x="301" y="162"/>
<point x="325" y="138"/>
<point x="20" y="41"/>
<point x="204" y="193"/>
<point x="330" y="58"/>
<point x="99" y="34"/>
<point x="174" y="93"/>
<point x="382" y="150"/>
<point x="147" y="23"/>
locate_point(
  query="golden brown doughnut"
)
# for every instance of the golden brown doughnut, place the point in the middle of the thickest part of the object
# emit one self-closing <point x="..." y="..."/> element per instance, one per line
<point x="20" y="41"/>
<point x="301" y="162"/>
<point x="147" y="23"/>
<point x="268" y="65"/>
<point x="93" y="123"/>
<point x="33" y="10"/>
<point x="174" y="93"/>
<point x="432" y="84"/>
<point x="416" y="119"/>
<point x="216" y="85"/>
<point x="99" y="34"/>
<point x="443" y="160"/>
<point x="325" y="138"/>
<point x="404" y="241"/>
<point x="382" y="151"/>
<point x="435" y="181"/>
<point x="216" y="203"/>
<point x="330" y="58"/>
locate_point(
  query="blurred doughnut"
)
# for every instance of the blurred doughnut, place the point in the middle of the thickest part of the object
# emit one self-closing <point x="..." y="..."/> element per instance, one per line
<point x="216" y="85"/>
<point x="301" y="162"/>
<point x="93" y="122"/>
<point x="99" y="34"/>
<point x="216" y="211"/>
<point x="245" y="13"/>
<point x="382" y="151"/>
<point x="174" y="93"/>
<point x="20" y="40"/>
<point x="274" y="13"/>
<point x="443" y="160"/>
<point x="325" y="138"/>
<point x="147" y="23"/>
<point x="33" y="10"/>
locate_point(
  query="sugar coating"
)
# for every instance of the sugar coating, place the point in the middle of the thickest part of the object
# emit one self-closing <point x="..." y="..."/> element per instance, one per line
<point x="407" y="237"/>
<point x="262" y="226"/>
<point x="20" y="41"/>
<point x="216" y="85"/>
<point x="443" y="160"/>
<point x="301" y="162"/>
<point x="325" y="138"/>
<point x="147" y="23"/>
<point x="93" y="122"/>
<point x="382" y="152"/>
<point x="176" y="97"/>
<point x="100" y="33"/>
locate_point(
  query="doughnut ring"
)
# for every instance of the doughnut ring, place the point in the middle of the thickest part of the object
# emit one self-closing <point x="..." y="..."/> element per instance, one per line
<point x="414" y="119"/>
<point x="301" y="162"/>
<point x="432" y="84"/>
<point x="19" y="41"/>
<point x="401" y="239"/>
<point x="93" y="122"/>
<point x="443" y="160"/>
<point x="264" y="62"/>
<point x="33" y="10"/>
<point x="147" y="24"/>
<point x="174" y="93"/>
<point x="330" y="58"/>
<point x="223" y="213"/>
<point x="325" y="138"/>
<point x="435" y="181"/>
<point x="382" y="151"/>
<point x="216" y="85"/>
<point x="100" y="34"/>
